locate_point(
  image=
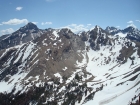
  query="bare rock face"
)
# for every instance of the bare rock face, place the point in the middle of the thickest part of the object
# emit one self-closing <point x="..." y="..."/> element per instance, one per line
<point x="48" y="53"/>
<point x="98" y="36"/>
<point x="84" y="36"/>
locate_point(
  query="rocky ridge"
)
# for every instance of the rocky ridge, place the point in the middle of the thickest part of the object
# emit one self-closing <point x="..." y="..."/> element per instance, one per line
<point x="130" y="32"/>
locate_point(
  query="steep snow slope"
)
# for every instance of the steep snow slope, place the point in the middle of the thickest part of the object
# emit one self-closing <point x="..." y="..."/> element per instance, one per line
<point x="120" y="81"/>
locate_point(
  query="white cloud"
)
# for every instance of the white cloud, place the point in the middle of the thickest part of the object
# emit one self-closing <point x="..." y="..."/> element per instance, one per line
<point x="19" y="8"/>
<point x="6" y="31"/>
<point x="1" y="24"/>
<point x="77" y="28"/>
<point x="130" y="22"/>
<point x="34" y="22"/>
<point x="138" y="20"/>
<point x="46" y="23"/>
<point x="16" y="21"/>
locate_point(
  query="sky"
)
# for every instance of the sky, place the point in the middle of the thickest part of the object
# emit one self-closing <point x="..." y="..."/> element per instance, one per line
<point x="74" y="14"/>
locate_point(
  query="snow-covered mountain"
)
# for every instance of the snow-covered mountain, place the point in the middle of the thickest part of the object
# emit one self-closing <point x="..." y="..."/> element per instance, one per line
<point x="130" y="32"/>
<point x="63" y="68"/>
<point x="23" y="35"/>
<point x="112" y="30"/>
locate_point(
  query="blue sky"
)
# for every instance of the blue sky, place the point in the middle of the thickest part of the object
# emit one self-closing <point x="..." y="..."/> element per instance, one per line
<point x="75" y="14"/>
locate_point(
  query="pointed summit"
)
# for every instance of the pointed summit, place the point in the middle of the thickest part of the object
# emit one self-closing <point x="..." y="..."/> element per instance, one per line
<point x="25" y="34"/>
<point x="112" y="30"/>
<point x="108" y="29"/>
<point x="30" y="26"/>
<point x="129" y="29"/>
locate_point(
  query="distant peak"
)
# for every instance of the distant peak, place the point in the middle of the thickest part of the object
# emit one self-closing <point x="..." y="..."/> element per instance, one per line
<point x="97" y="26"/>
<point x="66" y="30"/>
<point x="111" y="27"/>
<point x="131" y="27"/>
<point x="30" y="26"/>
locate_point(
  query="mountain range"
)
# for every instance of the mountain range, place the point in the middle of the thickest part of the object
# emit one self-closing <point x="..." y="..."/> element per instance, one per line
<point x="130" y="32"/>
<point x="59" y="67"/>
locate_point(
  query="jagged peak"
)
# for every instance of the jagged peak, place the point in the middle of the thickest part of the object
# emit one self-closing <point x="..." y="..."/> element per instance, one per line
<point x="111" y="27"/>
<point x="97" y="29"/>
<point x="30" y="26"/>
<point x="96" y="26"/>
<point x="131" y="27"/>
<point x="30" y="23"/>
